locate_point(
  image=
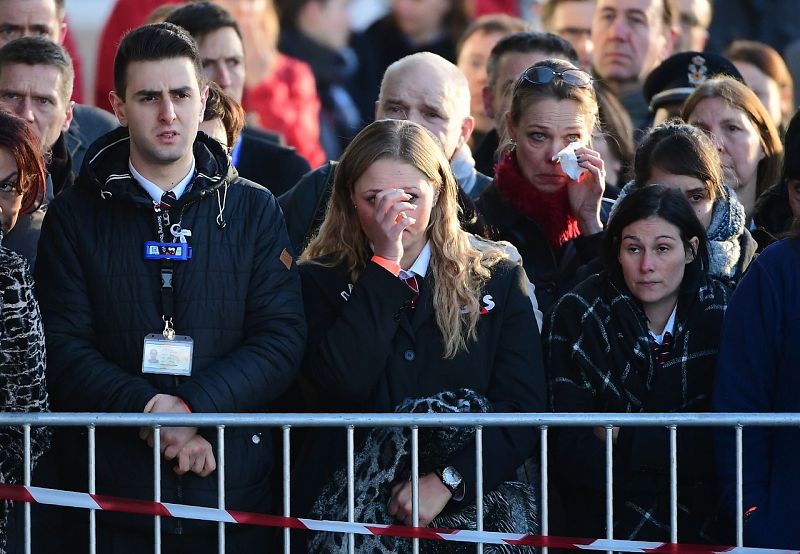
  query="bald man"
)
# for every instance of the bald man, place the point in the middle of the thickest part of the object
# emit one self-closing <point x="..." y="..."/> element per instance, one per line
<point x="423" y="88"/>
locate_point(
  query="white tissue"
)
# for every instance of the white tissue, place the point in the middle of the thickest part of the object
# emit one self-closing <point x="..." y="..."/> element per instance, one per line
<point x="569" y="161"/>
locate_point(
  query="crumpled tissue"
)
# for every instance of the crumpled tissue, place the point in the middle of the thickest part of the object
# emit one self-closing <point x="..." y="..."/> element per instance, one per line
<point x="569" y="161"/>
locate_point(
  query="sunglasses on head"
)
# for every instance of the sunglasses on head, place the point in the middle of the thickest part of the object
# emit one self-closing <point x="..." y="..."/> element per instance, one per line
<point x="544" y="75"/>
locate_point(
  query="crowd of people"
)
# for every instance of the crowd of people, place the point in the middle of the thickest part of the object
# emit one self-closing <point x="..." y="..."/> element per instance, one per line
<point x="575" y="209"/>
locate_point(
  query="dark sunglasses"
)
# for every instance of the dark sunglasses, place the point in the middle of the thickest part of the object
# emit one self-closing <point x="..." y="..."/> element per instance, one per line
<point x="544" y="75"/>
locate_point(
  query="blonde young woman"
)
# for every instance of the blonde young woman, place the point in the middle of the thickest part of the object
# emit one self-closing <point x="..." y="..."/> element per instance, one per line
<point x="403" y="311"/>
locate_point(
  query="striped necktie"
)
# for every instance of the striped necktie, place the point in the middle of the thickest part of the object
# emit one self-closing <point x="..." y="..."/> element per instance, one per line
<point x="663" y="350"/>
<point x="168" y="200"/>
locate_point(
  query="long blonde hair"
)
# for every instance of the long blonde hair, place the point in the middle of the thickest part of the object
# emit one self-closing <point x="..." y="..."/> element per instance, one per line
<point x="459" y="270"/>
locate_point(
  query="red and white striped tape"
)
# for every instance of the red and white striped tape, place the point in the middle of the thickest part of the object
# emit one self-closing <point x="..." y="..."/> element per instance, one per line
<point x="69" y="499"/>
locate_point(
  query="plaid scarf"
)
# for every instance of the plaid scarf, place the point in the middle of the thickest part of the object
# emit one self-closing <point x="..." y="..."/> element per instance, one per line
<point x="601" y="359"/>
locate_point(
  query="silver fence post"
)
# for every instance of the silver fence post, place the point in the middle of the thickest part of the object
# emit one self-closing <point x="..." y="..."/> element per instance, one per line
<point x="609" y="483"/>
<point x="92" y="489"/>
<point x="415" y="484"/>
<point x="286" y="482"/>
<point x="479" y="482"/>
<point x="544" y="483"/>
<point x="157" y="487"/>
<point x="221" y="486"/>
<point x="739" y="489"/>
<point x="673" y="484"/>
<point x="351" y="489"/>
<point x="26" y="453"/>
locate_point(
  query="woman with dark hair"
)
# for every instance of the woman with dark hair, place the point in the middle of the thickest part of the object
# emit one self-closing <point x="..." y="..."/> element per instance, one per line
<point x="551" y="216"/>
<point x="22" y="354"/>
<point x="641" y="336"/>
<point x="682" y="157"/>
<point x="439" y="325"/>
<point x="740" y="127"/>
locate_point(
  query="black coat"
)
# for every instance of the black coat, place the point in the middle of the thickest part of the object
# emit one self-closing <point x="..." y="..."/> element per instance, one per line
<point x="238" y="297"/>
<point x="275" y="167"/>
<point x="367" y="353"/>
<point x="552" y="271"/>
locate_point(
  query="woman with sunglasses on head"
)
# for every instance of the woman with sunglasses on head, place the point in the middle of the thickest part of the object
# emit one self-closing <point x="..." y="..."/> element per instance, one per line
<point x="641" y="336"/>
<point x="22" y="354"/>
<point x="551" y="217"/>
<point x="740" y="126"/>
<point x="403" y="310"/>
<point x="682" y="157"/>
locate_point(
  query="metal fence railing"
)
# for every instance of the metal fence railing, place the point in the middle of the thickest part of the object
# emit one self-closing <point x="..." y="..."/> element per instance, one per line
<point x="537" y="422"/>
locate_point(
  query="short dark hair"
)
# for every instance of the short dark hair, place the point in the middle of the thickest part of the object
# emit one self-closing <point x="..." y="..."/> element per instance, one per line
<point x="220" y="105"/>
<point x="17" y="137"/>
<point x="154" y="42"/>
<point x="670" y="205"/>
<point x="791" y="164"/>
<point x="202" y="18"/>
<point x="493" y="23"/>
<point x="680" y="149"/>
<point x="40" y="51"/>
<point x="524" y="43"/>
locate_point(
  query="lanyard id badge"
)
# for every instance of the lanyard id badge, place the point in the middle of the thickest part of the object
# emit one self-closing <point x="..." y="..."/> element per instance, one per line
<point x="167" y="356"/>
<point x="166" y="353"/>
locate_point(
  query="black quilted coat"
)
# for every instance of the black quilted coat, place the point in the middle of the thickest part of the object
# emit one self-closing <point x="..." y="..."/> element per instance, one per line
<point x="238" y="297"/>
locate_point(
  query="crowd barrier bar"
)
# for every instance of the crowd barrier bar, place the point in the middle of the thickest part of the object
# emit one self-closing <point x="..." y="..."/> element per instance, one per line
<point x="413" y="421"/>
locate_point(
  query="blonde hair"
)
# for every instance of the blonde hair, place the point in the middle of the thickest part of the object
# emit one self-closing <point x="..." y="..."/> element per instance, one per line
<point x="459" y="270"/>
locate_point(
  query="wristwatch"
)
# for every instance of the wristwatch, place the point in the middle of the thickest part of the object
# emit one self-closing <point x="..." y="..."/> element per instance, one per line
<point x="451" y="479"/>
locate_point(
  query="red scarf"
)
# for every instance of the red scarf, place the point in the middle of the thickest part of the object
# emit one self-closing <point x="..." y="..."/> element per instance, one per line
<point x="550" y="211"/>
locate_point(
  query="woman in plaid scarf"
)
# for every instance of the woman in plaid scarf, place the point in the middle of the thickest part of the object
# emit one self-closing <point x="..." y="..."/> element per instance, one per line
<point x="642" y="336"/>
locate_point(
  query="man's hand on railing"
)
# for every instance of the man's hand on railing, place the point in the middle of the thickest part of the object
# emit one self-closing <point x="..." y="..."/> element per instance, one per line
<point x="173" y="439"/>
<point x="196" y="456"/>
<point x="433" y="497"/>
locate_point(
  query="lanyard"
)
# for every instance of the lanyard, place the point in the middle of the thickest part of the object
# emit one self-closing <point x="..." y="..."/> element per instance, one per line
<point x="162" y="221"/>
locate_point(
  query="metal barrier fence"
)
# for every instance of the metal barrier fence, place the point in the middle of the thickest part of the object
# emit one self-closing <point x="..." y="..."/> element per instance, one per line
<point x="413" y="421"/>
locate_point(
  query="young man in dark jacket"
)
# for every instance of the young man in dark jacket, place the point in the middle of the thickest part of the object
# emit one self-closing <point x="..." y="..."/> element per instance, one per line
<point x="161" y="247"/>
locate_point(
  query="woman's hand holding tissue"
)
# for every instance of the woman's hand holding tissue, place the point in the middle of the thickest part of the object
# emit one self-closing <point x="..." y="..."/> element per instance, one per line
<point x="585" y="192"/>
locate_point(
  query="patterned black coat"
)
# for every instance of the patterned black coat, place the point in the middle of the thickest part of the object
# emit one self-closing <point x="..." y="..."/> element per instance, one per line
<point x="600" y="358"/>
<point x="22" y="365"/>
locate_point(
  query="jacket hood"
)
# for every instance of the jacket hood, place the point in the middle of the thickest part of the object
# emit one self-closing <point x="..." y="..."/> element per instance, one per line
<point x="106" y="170"/>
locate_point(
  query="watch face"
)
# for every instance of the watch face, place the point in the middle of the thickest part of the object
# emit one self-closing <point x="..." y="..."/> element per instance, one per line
<point x="451" y="476"/>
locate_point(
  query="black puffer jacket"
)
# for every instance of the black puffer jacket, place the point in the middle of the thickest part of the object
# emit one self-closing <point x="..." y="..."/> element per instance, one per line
<point x="238" y="297"/>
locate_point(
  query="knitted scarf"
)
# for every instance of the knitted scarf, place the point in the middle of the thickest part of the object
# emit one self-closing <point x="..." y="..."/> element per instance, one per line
<point x="724" y="232"/>
<point x="550" y="211"/>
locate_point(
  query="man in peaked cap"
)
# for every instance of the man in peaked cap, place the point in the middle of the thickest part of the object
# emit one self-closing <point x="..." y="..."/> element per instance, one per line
<point x="670" y="84"/>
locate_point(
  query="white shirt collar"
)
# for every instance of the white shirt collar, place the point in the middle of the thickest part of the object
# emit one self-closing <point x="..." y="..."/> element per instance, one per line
<point x="154" y="190"/>
<point x="668" y="328"/>
<point x="420" y="265"/>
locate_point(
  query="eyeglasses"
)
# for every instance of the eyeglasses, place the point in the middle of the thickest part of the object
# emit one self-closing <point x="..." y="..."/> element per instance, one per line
<point x="544" y="75"/>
